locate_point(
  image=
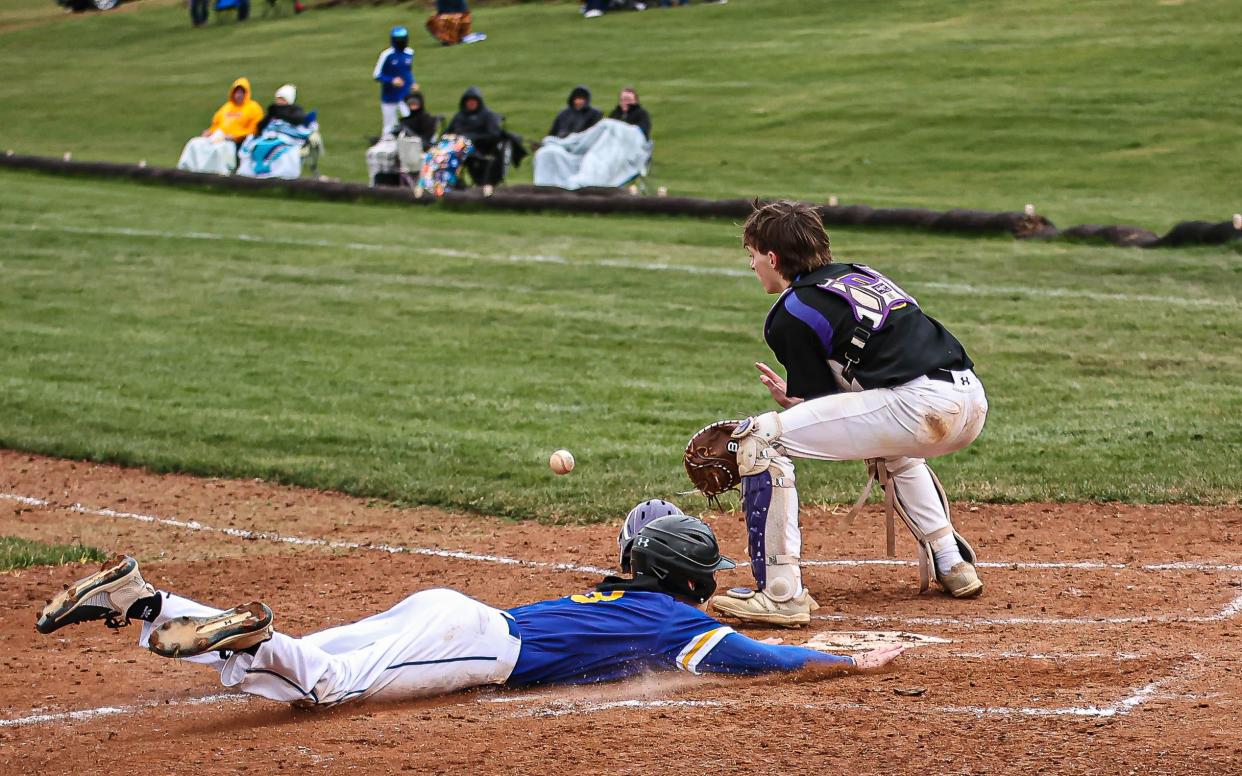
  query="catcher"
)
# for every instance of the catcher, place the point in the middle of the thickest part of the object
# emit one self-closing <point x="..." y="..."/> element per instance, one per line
<point x="870" y="377"/>
<point x="440" y="641"/>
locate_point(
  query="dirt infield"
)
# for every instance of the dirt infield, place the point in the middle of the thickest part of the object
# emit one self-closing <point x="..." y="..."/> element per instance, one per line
<point x="1106" y="642"/>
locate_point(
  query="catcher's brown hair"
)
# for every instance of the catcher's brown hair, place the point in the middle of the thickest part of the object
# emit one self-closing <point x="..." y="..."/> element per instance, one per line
<point x="794" y="231"/>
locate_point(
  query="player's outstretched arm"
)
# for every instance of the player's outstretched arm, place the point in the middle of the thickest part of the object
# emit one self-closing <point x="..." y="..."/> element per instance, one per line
<point x="738" y="654"/>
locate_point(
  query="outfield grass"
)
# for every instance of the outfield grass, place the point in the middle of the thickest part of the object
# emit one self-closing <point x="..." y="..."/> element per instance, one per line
<point x="1106" y="111"/>
<point x="18" y="553"/>
<point x="438" y="357"/>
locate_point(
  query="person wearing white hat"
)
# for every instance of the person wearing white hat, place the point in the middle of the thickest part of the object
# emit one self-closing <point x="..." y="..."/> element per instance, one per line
<point x="284" y="108"/>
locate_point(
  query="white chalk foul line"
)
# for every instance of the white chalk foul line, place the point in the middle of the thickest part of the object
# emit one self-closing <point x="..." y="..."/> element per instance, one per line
<point x="83" y="715"/>
<point x="655" y="266"/>
<point x="240" y="533"/>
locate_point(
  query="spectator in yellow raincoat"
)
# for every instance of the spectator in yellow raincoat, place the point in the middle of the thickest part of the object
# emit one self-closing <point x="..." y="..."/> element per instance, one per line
<point x="215" y="151"/>
<point x="239" y="117"/>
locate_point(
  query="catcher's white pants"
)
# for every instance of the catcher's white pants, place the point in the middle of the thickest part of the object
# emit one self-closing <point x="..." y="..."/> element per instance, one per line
<point x="903" y="425"/>
<point x="434" y="642"/>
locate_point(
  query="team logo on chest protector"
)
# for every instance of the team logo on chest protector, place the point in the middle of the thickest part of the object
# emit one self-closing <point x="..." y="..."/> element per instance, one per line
<point x="871" y="296"/>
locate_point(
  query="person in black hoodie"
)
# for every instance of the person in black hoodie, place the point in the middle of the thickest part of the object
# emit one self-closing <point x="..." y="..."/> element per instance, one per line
<point x="631" y="112"/>
<point x="486" y="131"/>
<point x="419" y="123"/>
<point x="474" y="121"/>
<point x="577" y="116"/>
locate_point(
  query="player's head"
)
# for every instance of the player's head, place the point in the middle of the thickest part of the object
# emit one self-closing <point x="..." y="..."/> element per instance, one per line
<point x="400" y="38"/>
<point x="681" y="553"/>
<point x="644" y="512"/>
<point x="789" y="234"/>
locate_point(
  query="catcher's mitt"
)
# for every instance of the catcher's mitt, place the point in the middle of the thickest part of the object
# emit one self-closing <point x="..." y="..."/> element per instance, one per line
<point x="711" y="460"/>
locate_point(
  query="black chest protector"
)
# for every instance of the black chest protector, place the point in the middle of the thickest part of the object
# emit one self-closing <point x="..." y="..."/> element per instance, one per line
<point x="879" y="334"/>
<point x="871" y="297"/>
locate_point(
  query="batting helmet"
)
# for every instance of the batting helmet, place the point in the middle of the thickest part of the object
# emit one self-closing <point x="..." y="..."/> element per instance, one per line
<point x="644" y="512"/>
<point x="682" y="554"/>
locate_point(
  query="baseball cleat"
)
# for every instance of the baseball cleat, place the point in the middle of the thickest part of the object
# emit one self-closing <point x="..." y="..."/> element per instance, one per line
<point x="962" y="581"/>
<point x="239" y="628"/>
<point x="755" y="606"/>
<point x="105" y="595"/>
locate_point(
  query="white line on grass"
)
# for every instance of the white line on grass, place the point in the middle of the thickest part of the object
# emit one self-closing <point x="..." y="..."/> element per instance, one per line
<point x="123" y="231"/>
<point x="959" y="288"/>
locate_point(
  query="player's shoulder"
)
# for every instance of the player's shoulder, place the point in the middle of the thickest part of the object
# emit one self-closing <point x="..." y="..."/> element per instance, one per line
<point x="804" y="304"/>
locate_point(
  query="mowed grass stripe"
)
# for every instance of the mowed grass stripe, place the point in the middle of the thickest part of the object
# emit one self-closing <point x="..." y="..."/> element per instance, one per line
<point x="421" y="377"/>
<point x="1096" y="112"/>
<point x="294" y="274"/>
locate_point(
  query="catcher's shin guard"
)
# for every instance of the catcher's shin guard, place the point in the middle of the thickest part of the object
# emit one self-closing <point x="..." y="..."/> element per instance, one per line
<point x="900" y="495"/>
<point x="771" y="504"/>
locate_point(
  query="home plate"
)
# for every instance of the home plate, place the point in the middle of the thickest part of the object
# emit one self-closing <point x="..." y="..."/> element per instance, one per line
<point x="858" y="641"/>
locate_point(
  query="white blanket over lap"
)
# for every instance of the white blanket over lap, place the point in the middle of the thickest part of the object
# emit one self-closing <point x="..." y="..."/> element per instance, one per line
<point x="203" y="154"/>
<point x="608" y="154"/>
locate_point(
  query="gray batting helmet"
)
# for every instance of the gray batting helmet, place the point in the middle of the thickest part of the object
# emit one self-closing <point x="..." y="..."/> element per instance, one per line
<point x="644" y="512"/>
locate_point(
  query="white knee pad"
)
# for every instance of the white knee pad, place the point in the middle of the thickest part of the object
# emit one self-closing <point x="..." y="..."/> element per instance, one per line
<point x="770" y="501"/>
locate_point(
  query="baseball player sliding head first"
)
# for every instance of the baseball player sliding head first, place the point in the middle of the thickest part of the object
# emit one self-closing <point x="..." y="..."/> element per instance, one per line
<point x="440" y="641"/>
<point x="870" y="376"/>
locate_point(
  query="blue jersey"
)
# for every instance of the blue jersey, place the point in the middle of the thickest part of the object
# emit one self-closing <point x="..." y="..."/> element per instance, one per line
<point x="602" y="636"/>
<point x="393" y="64"/>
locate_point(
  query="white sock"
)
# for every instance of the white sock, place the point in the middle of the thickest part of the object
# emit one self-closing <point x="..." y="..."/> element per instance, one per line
<point x="947" y="553"/>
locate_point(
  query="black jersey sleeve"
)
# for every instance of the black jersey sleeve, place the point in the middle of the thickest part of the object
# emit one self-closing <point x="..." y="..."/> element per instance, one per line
<point x="802" y="351"/>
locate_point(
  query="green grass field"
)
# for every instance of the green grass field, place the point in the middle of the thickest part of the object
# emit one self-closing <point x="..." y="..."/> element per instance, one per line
<point x="435" y="357"/>
<point x="1106" y="111"/>
<point x="18" y="553"/>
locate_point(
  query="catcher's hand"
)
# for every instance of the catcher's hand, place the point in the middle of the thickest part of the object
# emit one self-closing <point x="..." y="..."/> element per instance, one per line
<point x="711" y="460"/>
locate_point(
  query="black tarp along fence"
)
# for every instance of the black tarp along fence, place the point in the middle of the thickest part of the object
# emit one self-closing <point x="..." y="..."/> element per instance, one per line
<point x="608" y="201"/>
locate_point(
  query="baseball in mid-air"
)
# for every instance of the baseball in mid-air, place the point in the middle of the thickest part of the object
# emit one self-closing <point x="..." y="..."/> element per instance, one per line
<point x="562" y="462"/>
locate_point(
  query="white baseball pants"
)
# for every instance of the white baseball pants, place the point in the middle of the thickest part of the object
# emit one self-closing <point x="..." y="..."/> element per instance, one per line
<point x="434" y="642"/>
<point x="903" y="425"/>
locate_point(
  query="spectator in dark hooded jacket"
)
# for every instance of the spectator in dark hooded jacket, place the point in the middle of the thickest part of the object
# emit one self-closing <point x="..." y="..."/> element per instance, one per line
<point x="475" y="121"/>
<point x="577" y="116"/>
<point x="419" y="123"/>
<point x="631" y="112"/>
